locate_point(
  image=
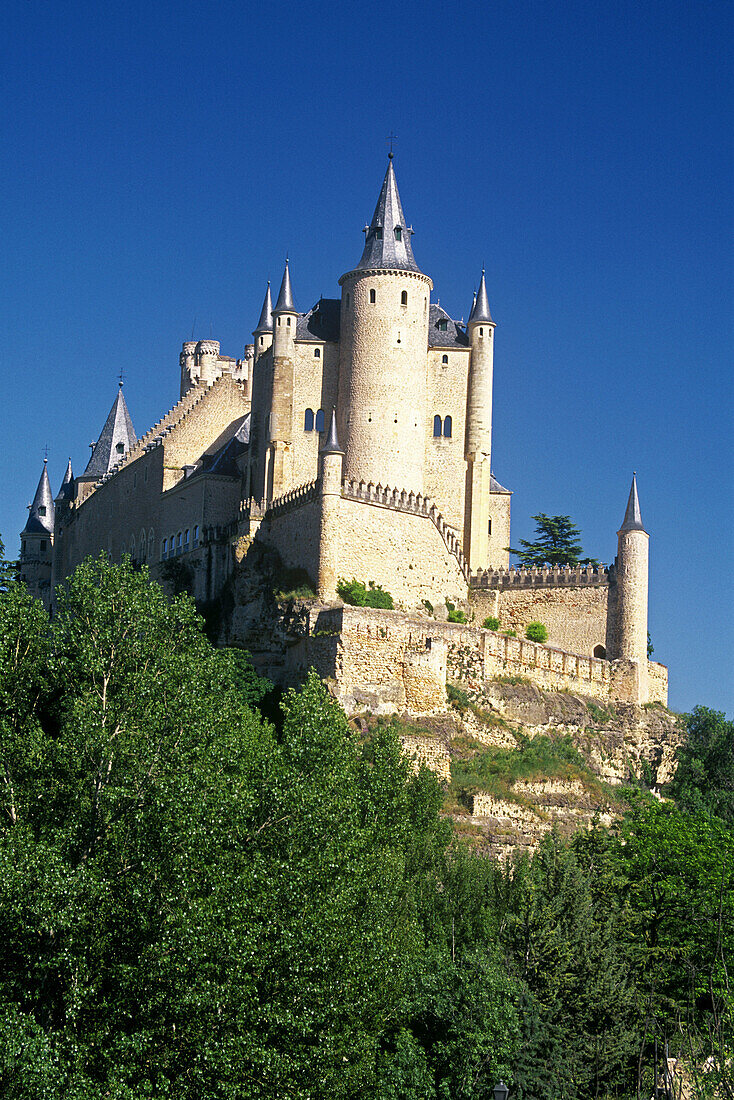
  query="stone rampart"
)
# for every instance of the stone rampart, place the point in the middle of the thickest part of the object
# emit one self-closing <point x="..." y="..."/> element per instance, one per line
<point x="547" y="576"/>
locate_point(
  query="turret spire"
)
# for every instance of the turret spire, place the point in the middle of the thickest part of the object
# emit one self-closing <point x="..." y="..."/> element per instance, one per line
<point x="67" y="485"/>
<point x="332" y="440"/>
<point x="285" y="303"/>
<point x="633" y="517"/>
<point x="388" y="239"/>
<point x="41" y="512"/>
<point x="265" y="324"/>
<point x="118" y="436"/>
<point x="480" y="309"/>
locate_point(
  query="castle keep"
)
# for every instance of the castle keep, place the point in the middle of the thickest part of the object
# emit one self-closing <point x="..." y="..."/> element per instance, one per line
<point x="351" y="440"/>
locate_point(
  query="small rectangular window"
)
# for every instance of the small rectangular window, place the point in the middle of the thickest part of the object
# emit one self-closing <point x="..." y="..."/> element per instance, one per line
<point x="489" y="527"/>
<point x="373" y="297"/>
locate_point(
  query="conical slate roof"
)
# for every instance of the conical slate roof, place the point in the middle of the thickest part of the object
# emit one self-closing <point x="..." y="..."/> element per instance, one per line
<point x="118" y="436"/>
<point x="633" y="516"/>
<point x="265" y="324"/>
<point x="285" y="303"/>
<point x="332" y="440"/>
<point x="67" y="485"/>
<point x="388" y="243"/>
<point x="480" y="309"/>
<point x="41" y="513"/>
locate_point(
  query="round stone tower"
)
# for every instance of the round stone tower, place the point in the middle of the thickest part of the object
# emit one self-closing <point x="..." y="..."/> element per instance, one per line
<point x="189" y="370"/>
<point x="207" y="354"/>
<point x="480" y="328"/>
<point x="36" y="542"/>
<point x="384" y="342"/>
<point x="632" y="581"/>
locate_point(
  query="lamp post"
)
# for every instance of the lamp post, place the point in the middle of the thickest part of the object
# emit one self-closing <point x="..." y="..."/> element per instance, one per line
<point x="500" y="1091"/>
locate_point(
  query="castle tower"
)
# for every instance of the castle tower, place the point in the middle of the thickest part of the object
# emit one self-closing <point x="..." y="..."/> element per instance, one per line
<point x="207" y="356"/>
<point x="632" y="580"/>
<point x="62" y="507"/>
<point x="332" y="458"/>
<point x="480" y="329"/>
<point x="384" y="338"/>
<point x="36" y="542"/>
<point x="118" y="436"/>
<point x="264" y="332"/>
<point x="189" y="369"/>
<point x="280" y="434"/>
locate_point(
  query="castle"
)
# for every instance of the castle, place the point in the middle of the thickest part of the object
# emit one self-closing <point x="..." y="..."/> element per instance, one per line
<point x="352" y="441"/>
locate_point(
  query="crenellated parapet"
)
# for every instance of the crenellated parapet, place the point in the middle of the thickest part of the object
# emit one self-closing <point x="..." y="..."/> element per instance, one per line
<point x="288" y="502"/>
<point x="548" y="576"/>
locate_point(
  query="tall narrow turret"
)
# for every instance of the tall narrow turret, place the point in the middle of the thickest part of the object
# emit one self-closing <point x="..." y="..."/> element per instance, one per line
<point x="116" y="439"/>
<point x="36" y="542"/>
<point x="632" y="583"/>
<point x="264" y="332"/>
<point x="480" y="329"/>
<point x="331" y="459"/>
<point x="384" y="337"/>
<point x="280" y="436"/>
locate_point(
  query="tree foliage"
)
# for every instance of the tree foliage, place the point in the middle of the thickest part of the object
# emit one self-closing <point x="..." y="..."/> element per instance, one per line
<point x="557" y="542"/>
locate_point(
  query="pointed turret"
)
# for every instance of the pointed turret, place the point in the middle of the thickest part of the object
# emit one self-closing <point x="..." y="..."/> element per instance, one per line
<point x="633" y="517"/>
<point x="480" y="307"/>
<point x="67" y="485"/>
<point x="265" y="324"/>
<point x="388" y="238"/>
<point x="41" y="511"/>
<point x="118" y="436"/>
<point x="285" y="303"/>
<point x="331" y="446"/>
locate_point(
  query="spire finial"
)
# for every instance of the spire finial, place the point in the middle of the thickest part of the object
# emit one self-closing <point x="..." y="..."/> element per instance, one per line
<point x="285" y="303"/>
<point x="633" y="516"/>
<point x="388" y="237"/>
<point x="122" y="378"/>
<point x="332" y="441"/>
<point x="391" y="138"/>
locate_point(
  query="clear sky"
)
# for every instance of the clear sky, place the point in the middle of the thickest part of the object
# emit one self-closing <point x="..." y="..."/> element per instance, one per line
<point x="160" y="159"/>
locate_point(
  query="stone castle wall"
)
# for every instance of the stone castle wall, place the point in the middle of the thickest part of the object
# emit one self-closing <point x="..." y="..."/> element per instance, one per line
<point x="445" y="465"/>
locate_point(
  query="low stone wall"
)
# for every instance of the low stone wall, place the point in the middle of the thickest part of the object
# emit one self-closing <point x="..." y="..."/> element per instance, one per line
<point x="576" y="616"/>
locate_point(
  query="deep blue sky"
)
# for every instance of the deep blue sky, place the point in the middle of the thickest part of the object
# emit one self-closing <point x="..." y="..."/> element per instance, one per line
<point x="160" y="159"/>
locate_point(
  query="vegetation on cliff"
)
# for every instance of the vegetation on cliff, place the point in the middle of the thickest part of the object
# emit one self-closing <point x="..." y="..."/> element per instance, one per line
<point x="195" y="900"/>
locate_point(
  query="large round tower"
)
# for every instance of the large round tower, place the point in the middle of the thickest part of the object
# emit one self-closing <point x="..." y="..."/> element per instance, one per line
<point x="384" y="341"/>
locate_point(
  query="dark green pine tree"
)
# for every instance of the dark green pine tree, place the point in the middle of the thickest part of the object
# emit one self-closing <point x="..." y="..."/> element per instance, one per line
<point x="557" y="542"/>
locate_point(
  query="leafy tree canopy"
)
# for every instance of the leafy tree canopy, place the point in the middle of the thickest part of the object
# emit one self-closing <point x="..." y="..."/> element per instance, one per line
<point x="557" y="542"/>
<point x="8" y="569"/>
<point x="704" y="779"/>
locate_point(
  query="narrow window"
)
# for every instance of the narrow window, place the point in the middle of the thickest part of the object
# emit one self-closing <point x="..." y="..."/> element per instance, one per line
<point x="447" y="427"/>
<point x="378" y="233"/>
<point x="373" y="297"/>
<point x="437" y="427"/>
<point x="308" y="421"/>
<point x="279" y="321"/>
<point x="262" y="341"/>
<point x="489" y="527"/>
<point x="288" y="322"/>
<point x="317" y="353"/>
<point x="196" y="536"/>
<point x="186" y="539"/>
<point x="320" y="420"/>
<point x="444" y="358"/>
<point x="42" y="510"/>
<point x="398" y="233"/>
<point x="404" y="298"/>
<point x="481" y="332"/>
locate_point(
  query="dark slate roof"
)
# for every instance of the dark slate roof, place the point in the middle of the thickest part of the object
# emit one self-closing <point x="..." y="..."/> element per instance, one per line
<point x="332" y="442"/>
<point x="495" y="487"/>
<point x="66" y="492"/>
<point x="321" y="322"/>
<point x="265" y="324"/>
<point x="453" y="337"/>
<point x="285" y="303"/>
<point x="118" y="429"/>
<point x="223" y="462"/>
<point x="381" y="247"/>
<point x="633" y="517"/>
<point x="480" y="309"/>
<point x="41" y="512"/>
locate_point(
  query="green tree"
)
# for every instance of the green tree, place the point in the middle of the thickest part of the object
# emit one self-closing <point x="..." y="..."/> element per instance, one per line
<point x="8" y="569"/>
<point x="704" y="778"/>
<point x="557" y="542"/>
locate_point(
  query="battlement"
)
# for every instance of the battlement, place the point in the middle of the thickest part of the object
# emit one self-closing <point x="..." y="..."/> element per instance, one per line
<point x="294" y="498"/>
<point x="553" y="576"/>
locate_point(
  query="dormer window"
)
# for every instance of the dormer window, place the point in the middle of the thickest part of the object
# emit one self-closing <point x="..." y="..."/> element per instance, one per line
<point x="378" y="233"/>
<point x="398" y="233"/>
<point x="120" y="448"/>
<point x="442" y="325"/>
<point x="42" y="510"/>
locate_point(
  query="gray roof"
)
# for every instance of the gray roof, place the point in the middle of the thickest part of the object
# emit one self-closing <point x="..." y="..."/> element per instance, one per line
<point x="332" y="440"/>
<point x="223" y="462"/>
<point x="633" y="517"/>
<point x="321" y="322"/>
<point x="118" y="432"/>
<point x="382" y="248"/>
<point x="454" y="336"/>
<point x="41" y="512"/>
<point x="495" y="487"/>
<point x="265" y="324"/>
<point x="66" y="491"/>
<point x="285" y="303"/>
<point x="480" y="309"/>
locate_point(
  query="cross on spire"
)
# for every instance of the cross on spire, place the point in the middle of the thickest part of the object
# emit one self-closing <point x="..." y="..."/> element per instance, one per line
<point x="391" y="138"/>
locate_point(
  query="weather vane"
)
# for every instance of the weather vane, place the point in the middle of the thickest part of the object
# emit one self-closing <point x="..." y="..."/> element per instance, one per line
<point x="391" y="138"/>
<point x="121" y="377"/>
<point x="45" y="453"/>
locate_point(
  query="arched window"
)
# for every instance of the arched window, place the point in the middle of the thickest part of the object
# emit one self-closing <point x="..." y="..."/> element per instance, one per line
<point x="373" y="297"/>
<point x="481" y="332"/>
<point x="186" y="539"/>
<point x="196" y="536"/>
<point x="178" y="543"/>
<point x="600" y="651"/>
<point x="319" y="421"/>
<point x="437" y="427"/>
<point x="288" y="322"/>
<point x="404" y="298"/>
<point x="317" y="353"/>
<point x="279" y="320"/>
<point x="444" y="358"/>
<point x="132" y="546"/>
<point x="308" y="420"/>
<point x="447" y="427"/>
